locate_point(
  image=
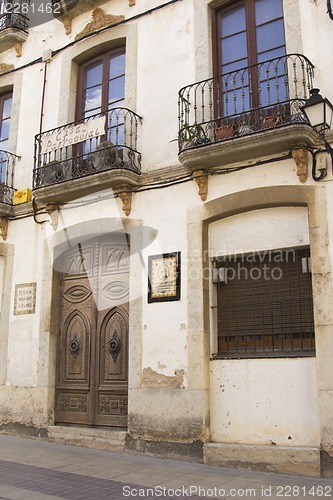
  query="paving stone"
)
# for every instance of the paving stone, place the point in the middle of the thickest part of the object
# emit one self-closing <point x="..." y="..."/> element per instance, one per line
<point x="39" y="470"/>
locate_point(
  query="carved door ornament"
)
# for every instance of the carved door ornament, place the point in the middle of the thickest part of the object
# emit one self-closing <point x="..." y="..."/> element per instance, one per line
<point x="114" y="346"/>
<point x="74" y="347"/>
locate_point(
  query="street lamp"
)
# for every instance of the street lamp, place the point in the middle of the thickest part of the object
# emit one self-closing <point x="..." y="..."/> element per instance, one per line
<point x="319" y="112"/>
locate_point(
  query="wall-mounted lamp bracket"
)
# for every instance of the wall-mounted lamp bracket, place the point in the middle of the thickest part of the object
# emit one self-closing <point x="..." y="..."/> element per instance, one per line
<point x="323" y="171"/>
<point x="319" y="113"/>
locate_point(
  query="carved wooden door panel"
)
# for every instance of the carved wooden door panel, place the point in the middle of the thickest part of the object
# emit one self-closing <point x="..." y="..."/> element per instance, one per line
<point x="92" y="368"/>
<point x="112" y="324"/>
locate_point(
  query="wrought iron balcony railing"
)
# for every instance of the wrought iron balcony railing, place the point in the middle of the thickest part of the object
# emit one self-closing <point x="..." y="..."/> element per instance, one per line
<point x="244" y="101"/>
<point x="13" y="18"/>
<point x="102" y="142"/>
<point x="7" y="163"/>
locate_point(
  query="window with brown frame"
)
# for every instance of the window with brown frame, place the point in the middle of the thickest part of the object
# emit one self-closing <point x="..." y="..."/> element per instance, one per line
<point x="248" y="33"/>
<point x="265" y="305"/>
<point x="5" y="114"/>
<point x="101" y="89"/>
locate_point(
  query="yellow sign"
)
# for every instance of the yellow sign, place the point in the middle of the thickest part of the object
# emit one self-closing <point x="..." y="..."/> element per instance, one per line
<point x="22" y="196"/>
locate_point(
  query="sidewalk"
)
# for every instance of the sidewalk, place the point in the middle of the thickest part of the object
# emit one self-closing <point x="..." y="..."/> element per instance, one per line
<point x="40" y="470"/>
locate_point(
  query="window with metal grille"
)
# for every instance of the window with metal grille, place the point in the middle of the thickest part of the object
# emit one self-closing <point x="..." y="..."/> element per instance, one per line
<point x="264" y="304"/>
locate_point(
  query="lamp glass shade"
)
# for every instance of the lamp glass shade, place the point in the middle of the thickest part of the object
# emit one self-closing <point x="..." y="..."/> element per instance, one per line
<point x="315" y="115"/>
<point x="328" y="114"/>
<point x="319" y="111"/>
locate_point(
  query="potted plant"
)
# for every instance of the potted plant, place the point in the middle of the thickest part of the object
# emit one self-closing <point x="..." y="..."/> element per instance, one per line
<point x="192" y="135"/>
<point x="245" y="124"/>
<point x="224" y="132"/>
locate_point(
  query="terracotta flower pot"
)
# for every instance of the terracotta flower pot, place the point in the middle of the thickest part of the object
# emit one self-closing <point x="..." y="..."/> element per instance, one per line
<point x="224" y="132"/>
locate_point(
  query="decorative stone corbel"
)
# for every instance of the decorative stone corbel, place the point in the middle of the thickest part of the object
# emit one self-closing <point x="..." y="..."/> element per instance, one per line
<point x="5" y="67"/>
<point x="18" y="49"/>
<point x="53" y="211"/>
<point x="201" y="178"/>
<point x="67" y="22"/>
<point x="3" y="228"/>
<point x="301" y="158"/>
<point x="126" y="198"/>
<point x="99" y="20"/>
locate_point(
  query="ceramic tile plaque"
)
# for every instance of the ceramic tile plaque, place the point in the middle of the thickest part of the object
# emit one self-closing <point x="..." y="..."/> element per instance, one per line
<point x="25" y="298"/>
<point x="164" y="277"/>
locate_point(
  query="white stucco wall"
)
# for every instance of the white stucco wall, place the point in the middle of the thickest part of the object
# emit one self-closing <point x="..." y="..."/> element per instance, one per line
<point x="266" y="229"/>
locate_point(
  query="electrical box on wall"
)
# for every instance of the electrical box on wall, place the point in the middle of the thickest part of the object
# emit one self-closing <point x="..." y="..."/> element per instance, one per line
<point x="22" y="196"/>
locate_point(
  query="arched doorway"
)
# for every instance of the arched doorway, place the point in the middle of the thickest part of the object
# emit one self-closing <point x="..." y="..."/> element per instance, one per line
<point x="92" y="363"/>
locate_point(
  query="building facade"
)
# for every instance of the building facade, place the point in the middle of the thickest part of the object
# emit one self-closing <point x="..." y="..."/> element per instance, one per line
<point x="168" y="294"/>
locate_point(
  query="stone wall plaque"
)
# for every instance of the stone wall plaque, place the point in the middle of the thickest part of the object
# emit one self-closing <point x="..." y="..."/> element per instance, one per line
<point x="25" y="298"/>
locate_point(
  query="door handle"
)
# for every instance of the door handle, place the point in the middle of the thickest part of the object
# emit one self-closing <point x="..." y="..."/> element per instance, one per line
<point x="114" y="345"/>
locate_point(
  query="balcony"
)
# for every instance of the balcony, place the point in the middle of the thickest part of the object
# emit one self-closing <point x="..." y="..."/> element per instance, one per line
<point x="82" y="157"/>
<point x="13" y="25"/>
<point x="245" y="114"/>
<point x="7" y="163"/>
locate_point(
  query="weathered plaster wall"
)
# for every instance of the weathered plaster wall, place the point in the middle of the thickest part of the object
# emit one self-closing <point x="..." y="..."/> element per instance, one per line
<point x="278" y="397"/>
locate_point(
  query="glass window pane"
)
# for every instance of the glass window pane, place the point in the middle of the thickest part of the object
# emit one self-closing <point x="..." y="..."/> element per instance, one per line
<point x="94" y="75"/>
<point x="91" y="112"/>
<point x="93" y="98"/>
<point x="4" y="134"/>
<point x="236" y="79"/>
<point x="117" y="104"/>
<point x="4" y="144"/>
<point x="234" y="48"/>
<point x="272" y="54"/>
<point x="273" y="69"/>
<point x="237" y="102"/>
<point x="116" y="89"/>
<point x="273" y="91"/>
<point x="233" y="22"/>
<point x="235" y="65"/>
<point x="7" y="106"/>
<point x="116" y="135"/>
<point x="270" y="36"/>
<point x="266" y="10"/>
<point x="117" y="65"/>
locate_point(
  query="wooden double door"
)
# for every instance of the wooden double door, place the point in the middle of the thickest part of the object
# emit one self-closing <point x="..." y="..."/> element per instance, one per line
<point x="92" y="365"/>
